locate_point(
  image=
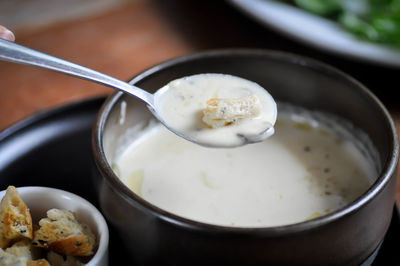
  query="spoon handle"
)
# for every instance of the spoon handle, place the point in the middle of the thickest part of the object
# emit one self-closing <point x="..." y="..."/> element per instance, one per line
<point x="12" y="52"/>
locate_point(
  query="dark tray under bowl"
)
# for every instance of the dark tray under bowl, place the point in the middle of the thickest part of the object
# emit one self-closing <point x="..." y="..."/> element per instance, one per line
<point x="53" y="149"/>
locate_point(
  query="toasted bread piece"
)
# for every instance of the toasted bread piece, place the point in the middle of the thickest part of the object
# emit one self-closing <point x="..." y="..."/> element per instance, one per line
<point x="221" y="112"/>
<point x="15" y="218"/>
<point x="21" y="249"/>
<point x="56" y="259"/>
<point x="62" y="233"/>
<point x="40" y="262"/>
<point x="24" y="248"/>
<point x="7" y="259"/>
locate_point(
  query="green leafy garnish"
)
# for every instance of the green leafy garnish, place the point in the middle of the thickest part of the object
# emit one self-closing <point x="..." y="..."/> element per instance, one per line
<point x="323" y="8"/>
<point x="372" y="20"/>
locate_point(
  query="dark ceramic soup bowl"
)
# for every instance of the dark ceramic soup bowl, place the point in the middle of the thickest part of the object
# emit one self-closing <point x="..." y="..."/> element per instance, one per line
<point x="348" y="236"/>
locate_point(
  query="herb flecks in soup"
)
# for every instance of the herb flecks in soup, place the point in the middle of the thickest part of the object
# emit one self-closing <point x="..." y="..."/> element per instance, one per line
<point x="303" y="171"/>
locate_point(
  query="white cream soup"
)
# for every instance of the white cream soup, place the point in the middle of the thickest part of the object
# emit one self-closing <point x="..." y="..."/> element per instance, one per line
<point x="301" y="172"/>
<point x="217" y="109"/>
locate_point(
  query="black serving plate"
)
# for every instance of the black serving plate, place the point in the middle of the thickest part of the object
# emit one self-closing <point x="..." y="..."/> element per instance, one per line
<point x="53" y="149"/>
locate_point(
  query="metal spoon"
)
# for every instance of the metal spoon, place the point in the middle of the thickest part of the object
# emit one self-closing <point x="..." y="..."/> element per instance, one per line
<point x="12" y="52"/>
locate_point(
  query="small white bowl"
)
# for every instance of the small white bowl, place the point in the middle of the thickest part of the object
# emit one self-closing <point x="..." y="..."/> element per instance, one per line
<point x="40" y="199"/>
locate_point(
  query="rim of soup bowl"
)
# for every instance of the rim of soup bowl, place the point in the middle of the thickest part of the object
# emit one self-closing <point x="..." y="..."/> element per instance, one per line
<point x="119" y="187"/>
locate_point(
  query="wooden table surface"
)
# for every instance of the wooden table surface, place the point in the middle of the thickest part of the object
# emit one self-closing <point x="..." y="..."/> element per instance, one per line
<point x="141" y="33"/>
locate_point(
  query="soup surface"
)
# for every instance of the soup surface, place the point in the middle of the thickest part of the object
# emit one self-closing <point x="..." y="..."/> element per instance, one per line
<point x="301" y="172"/>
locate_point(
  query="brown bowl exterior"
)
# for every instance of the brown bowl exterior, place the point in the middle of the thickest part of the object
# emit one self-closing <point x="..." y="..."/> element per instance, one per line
<point x="347" y="236"/>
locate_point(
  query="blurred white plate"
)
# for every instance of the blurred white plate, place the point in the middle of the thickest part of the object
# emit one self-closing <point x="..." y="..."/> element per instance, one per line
<point x="317" y="31"/>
